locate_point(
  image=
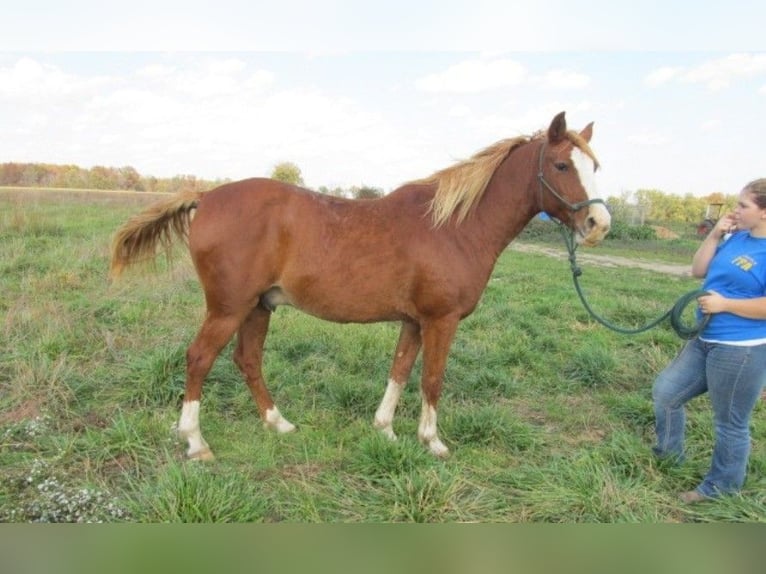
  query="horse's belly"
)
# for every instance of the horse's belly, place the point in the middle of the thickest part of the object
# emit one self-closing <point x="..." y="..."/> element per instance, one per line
<point x="340" y="306"/>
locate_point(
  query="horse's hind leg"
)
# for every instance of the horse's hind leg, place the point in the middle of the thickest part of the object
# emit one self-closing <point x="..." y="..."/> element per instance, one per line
<point x="248" y="356"/>
<point x="407" y="350"/>
<point x="215" y="332"/>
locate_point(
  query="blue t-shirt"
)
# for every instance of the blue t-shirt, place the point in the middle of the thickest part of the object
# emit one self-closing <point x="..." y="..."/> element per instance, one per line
<point x="737" y="271"/>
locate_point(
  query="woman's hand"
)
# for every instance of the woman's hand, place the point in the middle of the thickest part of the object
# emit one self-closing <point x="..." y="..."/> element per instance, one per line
<point x="706" y="250"/>
<point x="726" y="224"/>
<point x="712" y="303"/>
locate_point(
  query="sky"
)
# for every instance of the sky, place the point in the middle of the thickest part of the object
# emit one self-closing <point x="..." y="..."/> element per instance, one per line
<point x="379" y="94"/>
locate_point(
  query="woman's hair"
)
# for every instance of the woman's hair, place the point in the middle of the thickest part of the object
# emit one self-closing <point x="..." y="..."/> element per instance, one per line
<point x="758" y="189"/>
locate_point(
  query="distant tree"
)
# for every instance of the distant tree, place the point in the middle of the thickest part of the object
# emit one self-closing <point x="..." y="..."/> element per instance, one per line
<point x="101" y="177"/>
<point x="71" y="176"/>
<point x="11" y="173"/>
<point x="287" y="172"/>
<point x="129" y="178"/>
<point x="366" y="192"/>
<point x="336" y="191"/>
<point x="184" y="183"/>
<point x="149" y="183"/>
<point x="98" y="177"/>
<point x="32" y="175"/>
<point x="619" y="207"/>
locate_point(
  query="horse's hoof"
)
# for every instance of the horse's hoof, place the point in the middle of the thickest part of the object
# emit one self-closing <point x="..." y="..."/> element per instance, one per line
<point x="275" y="421"/>
<point x="386" y="430"/>
<point x="204" y="454"/>
<point x="437" y="448"/>
<point x="284" y="426"/>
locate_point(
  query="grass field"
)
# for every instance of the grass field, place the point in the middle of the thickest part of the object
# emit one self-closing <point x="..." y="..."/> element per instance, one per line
<point x="547" y="414"/>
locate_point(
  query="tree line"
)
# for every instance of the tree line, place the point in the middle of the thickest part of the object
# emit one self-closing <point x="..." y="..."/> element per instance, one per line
<point x="128" y="178"/>
<point x="98" y="177"/>
<point x="655" y="206"/>
<point x="289" y="172"/>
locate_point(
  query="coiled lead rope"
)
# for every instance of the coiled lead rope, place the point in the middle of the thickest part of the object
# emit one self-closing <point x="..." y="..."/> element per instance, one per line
<point x="674" y="313"/>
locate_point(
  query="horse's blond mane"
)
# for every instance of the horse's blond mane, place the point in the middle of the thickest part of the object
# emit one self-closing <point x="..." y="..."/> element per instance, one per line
<point x="460" y="187"/>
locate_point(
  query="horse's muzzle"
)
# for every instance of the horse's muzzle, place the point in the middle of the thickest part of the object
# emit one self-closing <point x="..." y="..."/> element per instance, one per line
<point x="595" y="227"/>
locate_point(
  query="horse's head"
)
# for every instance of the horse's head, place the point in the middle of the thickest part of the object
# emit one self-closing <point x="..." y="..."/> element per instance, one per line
<point x="566" y="179"/>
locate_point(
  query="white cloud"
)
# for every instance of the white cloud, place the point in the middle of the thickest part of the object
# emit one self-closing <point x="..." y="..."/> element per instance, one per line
<point x="28" y="79"/>
<point x="213" y="118"/>
<point x="474" y="76"/>
<point x="711" y="125"/>
<point x="459" y="111"/>
<point x="662" y="75"/>
<point x="229" y="66"/>
<point x="488" y="73"/>
<point x="721" y="72"/>
<point x="207" y="78"/>
<point x="155" y="71"/>
<point x="214" y="115"/>
<point x="716" y="74"/>
<point x="648" y="138"/>
<point x="564" y="80"/>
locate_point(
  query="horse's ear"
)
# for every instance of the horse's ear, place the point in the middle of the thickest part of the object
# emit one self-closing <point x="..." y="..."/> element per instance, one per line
<point x="587" y="132"/>
<point x="558" y="128"/>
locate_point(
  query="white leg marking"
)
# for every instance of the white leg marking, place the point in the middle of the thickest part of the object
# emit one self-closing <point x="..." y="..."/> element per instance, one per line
<point x="275" y="421"/>
<point x="188" y="428"/>
<point x="427" y="431"/>
<point x="384" y="416"/>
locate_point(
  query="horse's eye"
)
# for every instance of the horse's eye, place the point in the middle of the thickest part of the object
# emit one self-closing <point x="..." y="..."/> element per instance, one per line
<point x="561" y="166"/>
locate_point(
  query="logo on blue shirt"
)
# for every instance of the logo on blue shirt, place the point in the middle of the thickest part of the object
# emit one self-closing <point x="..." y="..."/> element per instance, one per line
<point x="744" y="262"/>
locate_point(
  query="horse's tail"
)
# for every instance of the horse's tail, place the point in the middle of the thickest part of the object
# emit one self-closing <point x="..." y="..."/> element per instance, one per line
<point x="159" y="224"/>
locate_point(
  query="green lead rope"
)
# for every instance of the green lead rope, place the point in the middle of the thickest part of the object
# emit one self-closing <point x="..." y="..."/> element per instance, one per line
<point x="675" y="313"/>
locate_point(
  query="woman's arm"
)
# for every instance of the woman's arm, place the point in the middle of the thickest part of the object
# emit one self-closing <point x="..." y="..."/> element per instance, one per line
<point x="706" y="251"/>
<point x="749" y="308"/>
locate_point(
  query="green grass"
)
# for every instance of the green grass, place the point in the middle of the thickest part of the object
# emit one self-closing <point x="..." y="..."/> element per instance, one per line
<point x="547" y="414"/>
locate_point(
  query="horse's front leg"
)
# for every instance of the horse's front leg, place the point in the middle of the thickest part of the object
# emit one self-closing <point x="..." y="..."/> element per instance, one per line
<point x="407" y="350"/>
<point x="437" y="339"/>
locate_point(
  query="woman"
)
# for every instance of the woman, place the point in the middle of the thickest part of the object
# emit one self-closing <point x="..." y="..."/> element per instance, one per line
<point x="728" y="359"/>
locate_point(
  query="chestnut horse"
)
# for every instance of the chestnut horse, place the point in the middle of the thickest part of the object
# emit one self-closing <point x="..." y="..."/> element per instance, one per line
<point x="421" y="255"/>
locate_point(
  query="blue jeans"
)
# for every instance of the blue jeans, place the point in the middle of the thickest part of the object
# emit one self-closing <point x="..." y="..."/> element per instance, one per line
<point x="733" y="377"/>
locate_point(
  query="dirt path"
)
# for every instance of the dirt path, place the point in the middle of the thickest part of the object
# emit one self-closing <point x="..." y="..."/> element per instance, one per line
<point x="606" y="260"/>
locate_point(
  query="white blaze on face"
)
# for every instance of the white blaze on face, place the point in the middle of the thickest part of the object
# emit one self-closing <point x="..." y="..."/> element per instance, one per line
<point x="586" y="171"/>
<point x="585" y="167"/>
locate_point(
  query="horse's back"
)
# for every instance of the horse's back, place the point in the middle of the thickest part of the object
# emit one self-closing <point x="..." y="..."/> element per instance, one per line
<point x="250" y="209"/>
<point x="236" y="214"/>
